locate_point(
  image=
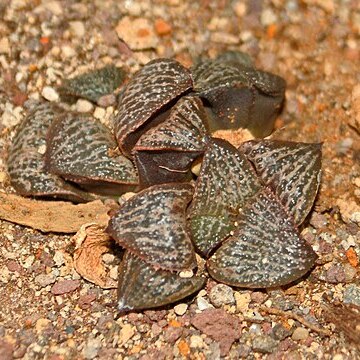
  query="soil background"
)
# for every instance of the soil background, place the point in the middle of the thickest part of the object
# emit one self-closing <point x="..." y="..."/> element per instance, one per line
<point x="315" y="46"/>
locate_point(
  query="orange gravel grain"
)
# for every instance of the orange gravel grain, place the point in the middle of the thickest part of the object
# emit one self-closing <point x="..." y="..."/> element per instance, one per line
<point x="184" y="348"/>
<point x="352" y="257"/>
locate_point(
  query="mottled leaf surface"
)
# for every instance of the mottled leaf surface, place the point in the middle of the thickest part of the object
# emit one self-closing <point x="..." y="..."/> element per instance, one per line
<point x="291" y="169"/>
<point x="154" y="86"/>
<point x="165" y="153"/>
<point x="143" y="287"/>
<point x="152" y="225"/>
<point x="78" y="149"/>
<point x="184" y="130"/>
<point x="240" y="95"/>
<point x="225" y="183"/>
<point x="266" y="249"/>
<point x="26" y="165"/>
<point x="93" y="84"/>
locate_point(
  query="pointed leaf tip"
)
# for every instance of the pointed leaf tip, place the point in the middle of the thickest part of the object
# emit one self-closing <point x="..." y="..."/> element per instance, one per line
<point x="152" y="225"/>
<point x="226" y="181"/>
<point x="265" y="250"/>
<point x="291" y="169"/>
<point x="78" y="149"/>
<point x="164" y="77"/>
<point x="143" y="287"/>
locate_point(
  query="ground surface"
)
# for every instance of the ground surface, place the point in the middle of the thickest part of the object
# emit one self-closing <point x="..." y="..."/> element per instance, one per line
<point x="315" y="46"/>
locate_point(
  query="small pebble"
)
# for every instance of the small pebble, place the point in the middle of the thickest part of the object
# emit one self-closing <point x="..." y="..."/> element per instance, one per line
<point x="300" y="333"/>
<point x="41" y="325"/>
<point x="180" y="309"/>
<point x="45" y="280"/>
<point x="318" y="221"/>
<point x="138" y="33"/>
<point x="67" y="51"/>
<point x="84" y="106"/>
<point x="77" y="28"/>
<point x="50" y="94"/>
<point x="107" y="100"/>
<point x="196" y="342"/>
<point x="65" y="286"/>
<point x="91" y="348"/>
<point x="352" y="295"/>
<point x="242" y="301"/>
<point x="4" y="46"/>
<point x="126" y="333"/>
<point x="264" y="344"/>
<point x="99" y="113"/>
<point x="268" y="17"/>
<point x="203" y="304"/>
<point x="221" y="294"/>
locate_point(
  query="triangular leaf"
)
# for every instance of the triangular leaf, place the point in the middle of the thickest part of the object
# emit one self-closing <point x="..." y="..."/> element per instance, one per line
<point x="266" y="249"/>
<point x="240" y="95"/>
<point x="157" y="84"/>
<point x="78" y="149"/>
<point x="152" y="225"/>
<point x="93" y="84"/>
<point x="26" y="165"/>
<point x="165" y="152"/>
<point x="143" y="287"/>
<point x="225" y="183"/>
<point x="291" y="169"/>
<point x="183" y="130"/>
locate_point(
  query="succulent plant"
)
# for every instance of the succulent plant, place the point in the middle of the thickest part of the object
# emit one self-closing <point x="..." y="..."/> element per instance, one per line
<point x="241" y="212"/>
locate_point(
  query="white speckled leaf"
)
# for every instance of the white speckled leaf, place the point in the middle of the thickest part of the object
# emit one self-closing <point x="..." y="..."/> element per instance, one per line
<point x="266" y="249"/>
<point x="184" y="130"/>
<point x="78" y="148"/>
<point x="240" y="95"/>
<point x="225" y="183"/>
<point x="26" y="164"/>
<point x="165" y="152"/>
<point x="93" y="84"/>
<point x="143" y="287"/>
<point x="152" y="225"/>
<point x="154" y="86"/>
<point x="291" y="169"/>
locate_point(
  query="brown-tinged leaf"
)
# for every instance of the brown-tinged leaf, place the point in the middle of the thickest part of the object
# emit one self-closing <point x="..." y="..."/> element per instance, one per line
<point x="91" y="243"/>
<point x="265" y="250"/>
<point x="291" y="169"/>
<point x="93" y="84"/>
<point x="240" y="95"/>
<point x="143" y="287"/>
<point x="26" y="165"/>
<point x="225" y="183"/>
<point x="78" y="149"/>
<point x="157" y="84"/>
<point x="152" y="225"/>
<point x="165" y="152"/>
<point x="51" y="216"/>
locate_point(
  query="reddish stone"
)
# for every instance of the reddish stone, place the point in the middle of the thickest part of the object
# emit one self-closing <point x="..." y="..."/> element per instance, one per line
<point x="220" y="326"/>
<point x="65" y="286"/>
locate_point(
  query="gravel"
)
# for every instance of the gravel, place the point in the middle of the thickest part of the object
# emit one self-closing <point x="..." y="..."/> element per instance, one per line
<point x="49" y="311"/>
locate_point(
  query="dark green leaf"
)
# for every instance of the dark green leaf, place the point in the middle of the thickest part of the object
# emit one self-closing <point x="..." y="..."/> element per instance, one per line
<point x="291" y="169"/>
<point x="165" y="152"/>
<point x="143" y="287"/>
<point x="239" y="95"/>
<point x="152" y="225"/>
<point x="225" y="183"/>
<point x="93" y="84"/>
<point x="265" y="250"/>
<point x="79" y="149"/>
<point x="26" y="163"/>
<point x="157" y="84"/>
